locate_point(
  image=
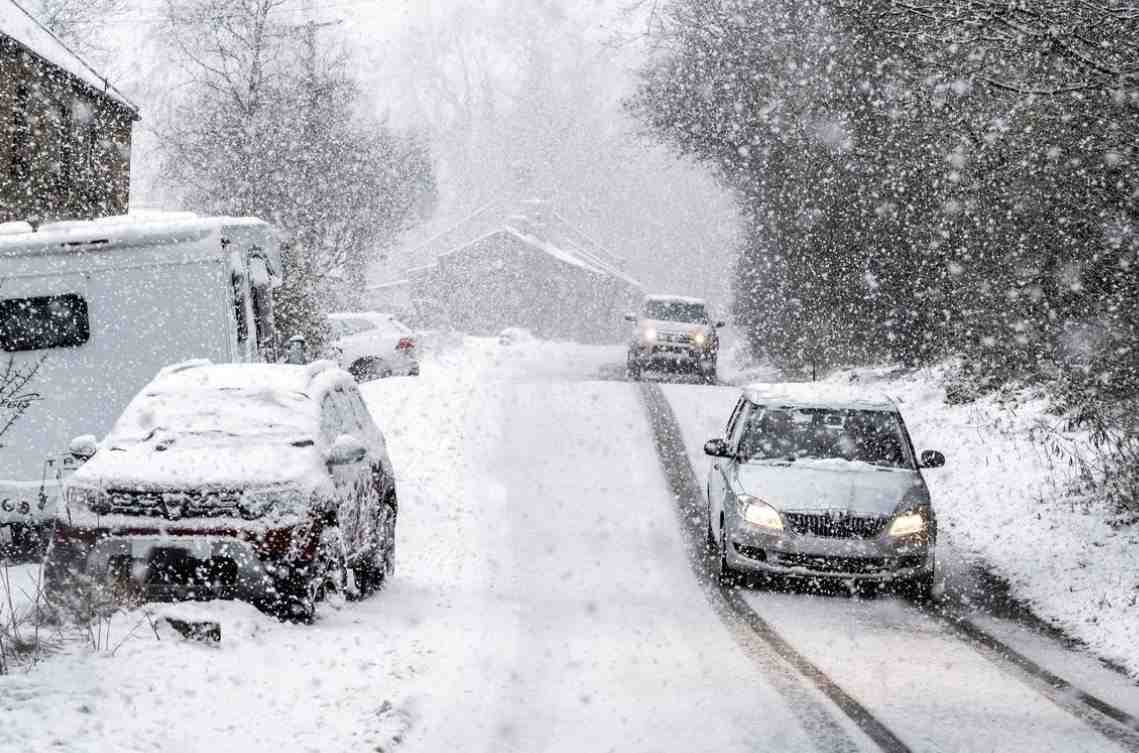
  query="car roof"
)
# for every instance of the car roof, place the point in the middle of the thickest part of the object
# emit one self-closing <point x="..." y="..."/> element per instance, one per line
<point x="371" y="315"/>
<point x="665" y="298"/>
<point x="817" y="395"/>
<point x="312" y="379"/>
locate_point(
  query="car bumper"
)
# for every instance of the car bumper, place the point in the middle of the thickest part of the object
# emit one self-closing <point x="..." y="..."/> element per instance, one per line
<point x="159" y="565"/>
<point x="672" y="354"/>
<point x="879" y="559"/>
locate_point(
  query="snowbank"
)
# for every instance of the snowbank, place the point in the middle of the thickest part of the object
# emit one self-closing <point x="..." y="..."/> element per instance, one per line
<point x="1001" y="497"/>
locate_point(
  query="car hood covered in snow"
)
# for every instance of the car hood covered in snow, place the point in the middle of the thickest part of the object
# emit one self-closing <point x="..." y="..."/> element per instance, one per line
<point x="200" y="466"/>
<point x="816" y="485"/>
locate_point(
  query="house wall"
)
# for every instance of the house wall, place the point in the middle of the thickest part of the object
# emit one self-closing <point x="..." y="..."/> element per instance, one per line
<point x="501" y="281"/>
<point x="64" y="148"/>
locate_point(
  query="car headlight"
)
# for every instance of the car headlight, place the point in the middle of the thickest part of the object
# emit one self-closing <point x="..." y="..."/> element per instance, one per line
<point x="699" y="338"/>
<point x="88" y="498"/>
<point x="907" y="524"/>
<point x="649" y="335"/>
<point x="258" y="503"/>
<point x="759" y="513"/>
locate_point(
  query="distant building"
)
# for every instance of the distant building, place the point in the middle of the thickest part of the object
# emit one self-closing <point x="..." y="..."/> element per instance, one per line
<point x="523" y="265"/>
<point x="65" y="132"/>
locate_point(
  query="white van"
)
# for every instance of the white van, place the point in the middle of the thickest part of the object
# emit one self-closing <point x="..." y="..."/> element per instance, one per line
<point x="90" y="311"/>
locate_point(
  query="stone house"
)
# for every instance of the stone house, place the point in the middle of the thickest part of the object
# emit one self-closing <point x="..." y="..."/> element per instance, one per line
<point x="65" y="131"/>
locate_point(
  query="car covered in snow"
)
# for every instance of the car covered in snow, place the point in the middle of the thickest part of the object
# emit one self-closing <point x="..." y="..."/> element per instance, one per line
<point x="264" y="482"/>
<point x="821" y="482"/>
<point x="673" y="333"/>
<point x="515" y="336"/>
<point x="371" y="345"/>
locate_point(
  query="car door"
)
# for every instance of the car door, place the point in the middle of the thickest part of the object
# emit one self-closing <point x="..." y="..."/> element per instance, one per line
<point x="333" y="423"/>
<point x="723" y="469"/>
<point x="359" y="480"/>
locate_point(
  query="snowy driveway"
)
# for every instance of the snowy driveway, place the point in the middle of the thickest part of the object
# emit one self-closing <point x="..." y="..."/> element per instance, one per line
<point x="545" y="600"/>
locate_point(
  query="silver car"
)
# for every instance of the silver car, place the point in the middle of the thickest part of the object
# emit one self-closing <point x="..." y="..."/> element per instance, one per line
<point x="814" y="482"/>
<point x="673" y="333"/>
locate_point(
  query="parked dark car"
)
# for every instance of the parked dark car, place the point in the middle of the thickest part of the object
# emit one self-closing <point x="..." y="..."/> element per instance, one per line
<point x="265" y="482"/>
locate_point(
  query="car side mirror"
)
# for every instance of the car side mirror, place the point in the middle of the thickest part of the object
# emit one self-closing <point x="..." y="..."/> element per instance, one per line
<point x="345" y="450"/>
<point x="717" y="448"/>
<point x="83" y="447"/>
<point x="720" y="323"/>
<point x="630" y="317"/>
<point x="932" y="459"/>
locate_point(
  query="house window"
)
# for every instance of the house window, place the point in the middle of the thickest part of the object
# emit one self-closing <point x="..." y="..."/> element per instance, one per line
<point x="57" y="321"/>
<point x="21" y="134"/>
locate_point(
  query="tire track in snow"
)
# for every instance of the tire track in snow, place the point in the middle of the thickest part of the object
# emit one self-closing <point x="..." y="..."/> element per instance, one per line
<point x="763" y="645"/>
<point x="1110" y="721"/>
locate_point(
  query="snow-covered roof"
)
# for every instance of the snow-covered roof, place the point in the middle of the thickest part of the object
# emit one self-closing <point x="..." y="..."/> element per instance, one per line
<point x="191" y="376"/>
<point x="61" y="237"/>
<point x="392" y="285"/>
<point x="667" y="298"/>
<point x="817" y="395"/>
<point x="20" y="25"/>
<point x="534" y="222"/>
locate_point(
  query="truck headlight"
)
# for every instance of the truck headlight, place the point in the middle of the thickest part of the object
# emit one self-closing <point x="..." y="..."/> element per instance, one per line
<point x="649" y="335"/>
<point x="88" y="498"/>
<point x="907" y="524"/>
<point x="758" y="513"/>
<point x="700" y="338"/>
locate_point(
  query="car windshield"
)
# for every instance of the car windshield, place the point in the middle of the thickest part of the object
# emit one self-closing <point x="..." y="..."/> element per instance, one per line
<point x="214" y="415"/>
<point x="675" y="311"/>
<point x="867" y="436"/>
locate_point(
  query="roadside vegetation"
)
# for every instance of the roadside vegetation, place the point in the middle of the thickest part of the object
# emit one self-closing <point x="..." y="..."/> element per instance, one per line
<point x="928" y="184"/>
<point x="339" y="182"/>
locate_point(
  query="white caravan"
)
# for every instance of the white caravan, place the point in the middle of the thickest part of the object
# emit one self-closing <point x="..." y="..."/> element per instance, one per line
<point x="90" y="311"/>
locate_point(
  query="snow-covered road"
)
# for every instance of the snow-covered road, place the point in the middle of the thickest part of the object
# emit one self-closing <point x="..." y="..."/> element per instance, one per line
<point x="545" y="600"/>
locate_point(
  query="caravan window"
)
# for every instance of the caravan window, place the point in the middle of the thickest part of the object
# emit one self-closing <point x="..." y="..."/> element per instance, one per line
<point x="56" y="321"/>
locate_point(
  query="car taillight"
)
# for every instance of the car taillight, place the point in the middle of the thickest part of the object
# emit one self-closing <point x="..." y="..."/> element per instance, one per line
<point x="405" y="343"/>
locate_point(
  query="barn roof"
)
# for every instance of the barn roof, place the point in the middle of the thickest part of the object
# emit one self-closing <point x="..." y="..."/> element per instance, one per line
<point x="535" y="223"/>
<point x="19" y="25"/>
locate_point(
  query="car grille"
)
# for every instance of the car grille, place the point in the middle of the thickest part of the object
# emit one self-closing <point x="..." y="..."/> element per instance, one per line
<point x="835" y="525"/>
<point x="674" y="337"/>
<point x="175" y="505"/>
<point x="852" y="565"/>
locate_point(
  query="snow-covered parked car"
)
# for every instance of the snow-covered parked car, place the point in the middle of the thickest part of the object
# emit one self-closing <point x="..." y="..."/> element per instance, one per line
<point x="264" y="482"/>
<point x="515" y="336"/>
<point x="371" y="345"/>
<point x="821" y="482"/>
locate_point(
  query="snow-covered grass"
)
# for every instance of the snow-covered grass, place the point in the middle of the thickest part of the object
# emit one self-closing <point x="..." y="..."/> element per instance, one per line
<point x="1003" y="496"/>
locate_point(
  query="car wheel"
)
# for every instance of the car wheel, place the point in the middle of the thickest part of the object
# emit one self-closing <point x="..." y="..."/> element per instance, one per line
<point x="725" y="574"/>
<point x="306" y="586"/>
<point x="633" y="370"/>
<point x="373" y="570"/>
<point x="919" y="589"/>
<point x="367" y="369"/>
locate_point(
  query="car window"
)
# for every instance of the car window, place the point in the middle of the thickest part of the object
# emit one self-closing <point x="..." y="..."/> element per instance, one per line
<point x="789" y="433"/>
<point x="332" y="420"/>
<point x="43" y="322"/>
<point x="675" y="311"/>
<point x="361" y="324"/>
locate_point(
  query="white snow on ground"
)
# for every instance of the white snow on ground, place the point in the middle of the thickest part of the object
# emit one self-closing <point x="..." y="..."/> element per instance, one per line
<point x="999" y="498"/>
<point x="1002" y="497"/>
<point x="927" y="685"/>
<point x="542" y="602"/>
